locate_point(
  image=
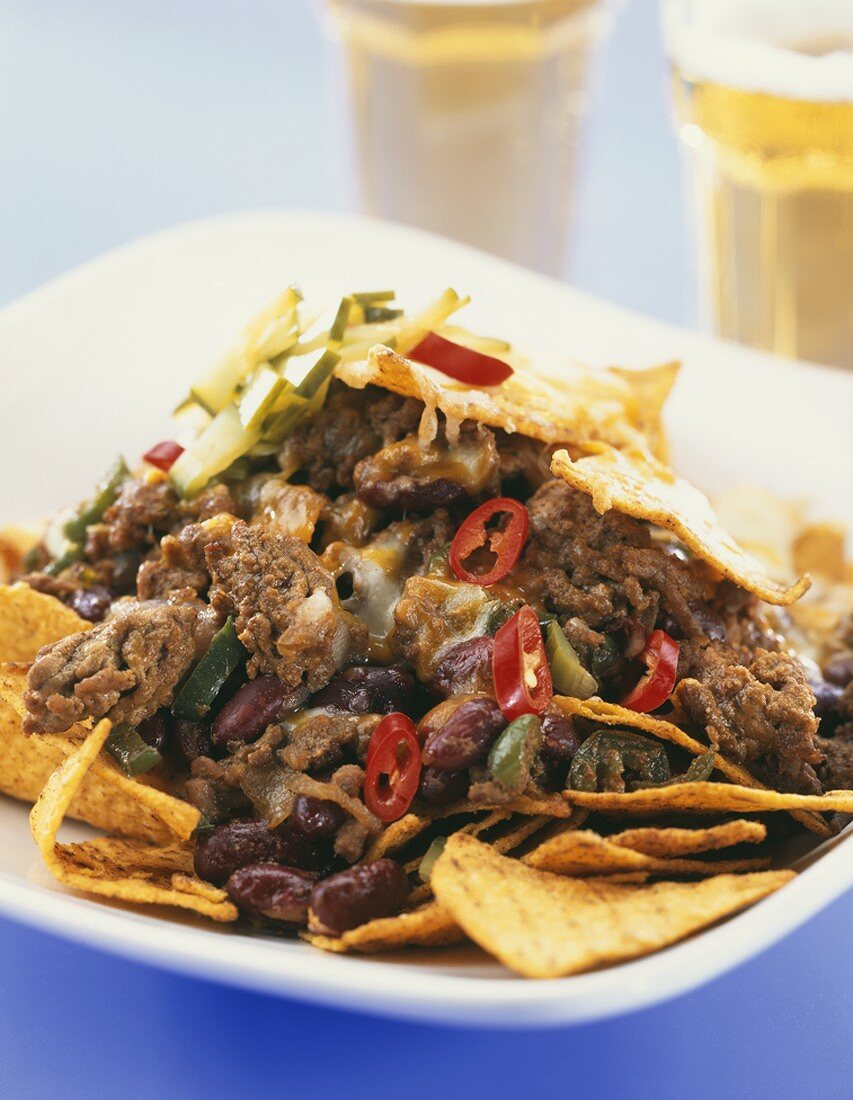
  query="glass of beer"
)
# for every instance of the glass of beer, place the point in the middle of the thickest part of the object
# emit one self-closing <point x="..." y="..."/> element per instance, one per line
<point x="764" y="100"/>
<point x="466" y="115"/>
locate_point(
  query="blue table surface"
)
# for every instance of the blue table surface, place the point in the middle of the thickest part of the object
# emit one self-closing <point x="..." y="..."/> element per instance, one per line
<point x="117" y="119"/>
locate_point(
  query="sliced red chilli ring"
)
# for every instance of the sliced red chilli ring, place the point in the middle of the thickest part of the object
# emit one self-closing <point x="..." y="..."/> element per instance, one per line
<point x="393" y="768"/>
<point x="163" y="455"/>
<point x="655" y="687"/>
<point x="505" y="542"/>
<point x="464" y="364"/>
<point x="520" y="670"/>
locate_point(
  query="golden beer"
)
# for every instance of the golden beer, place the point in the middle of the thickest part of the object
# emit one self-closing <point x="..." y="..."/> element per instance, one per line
<point x="467" y="115"/>
<point x="765" y="108"/>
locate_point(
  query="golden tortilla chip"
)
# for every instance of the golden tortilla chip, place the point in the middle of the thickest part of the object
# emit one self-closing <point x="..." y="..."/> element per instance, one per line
<point x="668" y="842"/>
<point x="114" y="869"/>
<point x="611" y="714"/>
<point x="520" y="804"/>
<point x="30" y="619"/>
<point x="396" y="836"/>
<point x="622" y="408"/>
<point x="819" y="548"/>
<point x="546" y="926"/>
<point x="106" y="798"/>
<point x="586" y="853"/>
<point x="705" y="797"/>
<point x="15" y="542"/>
<point x="641" y="486"/>
<point x="429" y="926"/>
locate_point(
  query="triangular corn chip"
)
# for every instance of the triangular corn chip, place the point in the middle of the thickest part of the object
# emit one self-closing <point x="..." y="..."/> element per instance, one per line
<point x="583" y="852"/>
<point x="668" y="842"/>
<point x="709" y="798"/>
<point x="103" y="868"/>
<point x="547" y="926"/>
<point x="30" y="620"/>
<point x="429" y="926"/>
<point x="635" y="483"/>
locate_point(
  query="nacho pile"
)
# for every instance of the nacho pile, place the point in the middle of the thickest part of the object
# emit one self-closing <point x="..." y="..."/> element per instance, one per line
<point x="406" y="646"/>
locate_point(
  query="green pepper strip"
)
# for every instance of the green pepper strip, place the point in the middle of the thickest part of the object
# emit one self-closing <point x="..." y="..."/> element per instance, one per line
<point x="601" y="761"/>
<point x="68" y="557"/>
<point x="208" y="677"/>
<point x="93" y="511"/>
<point x="133" y="755"/>
<point x="512" y="753"/>
<point x="567" y="672"/>
<point x="430" y="857"/>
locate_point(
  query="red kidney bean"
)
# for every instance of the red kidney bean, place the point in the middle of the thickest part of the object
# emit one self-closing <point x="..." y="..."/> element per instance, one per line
<point x="465" y="668"/>
<point x="125" y="567"/>
<point x="91" y="603"/>
<point x="366" y="690"/>
<point x="438" y="788"/>
<point x="153" y="731"/>
<point x="839" y="669"/>
<point x="360" y="894"/>
<point x="466" y="737"/>
<point x="219" y="853"/>
<point x="245" y="716"/>
<point x="190" y="739"/>
<point x="560" y="742"/>
<point x="317" y="817"/>
<point x="272" y="891"/>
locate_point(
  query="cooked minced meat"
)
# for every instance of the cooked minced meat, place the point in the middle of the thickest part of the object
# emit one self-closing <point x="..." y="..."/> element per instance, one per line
<point x="285" y="607"/>
<point x="351" y="425"/>
<point x="761" y="714"/>
<point x="124" y="669"/>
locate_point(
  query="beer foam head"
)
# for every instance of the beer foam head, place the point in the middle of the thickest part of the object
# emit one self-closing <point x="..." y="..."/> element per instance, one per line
<point x="798" y="49"/>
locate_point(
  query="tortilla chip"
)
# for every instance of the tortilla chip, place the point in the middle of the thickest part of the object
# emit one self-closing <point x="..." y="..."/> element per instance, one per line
<point x="613" y="715"/>
<point x="396" y="836"/>
<point x="545" y="926"/>
<point x="819" y="548"/>
<point x="429" y="926"/>
<point x="641" y="486"/>
<point x="109" y="868"/>
<point x="622" y="408"/>
<point x="520" y="804"/>
<point x="668" y="842"/>
<point x="106" y="798"/>
<point x="586" y="853"/>
<point x="15" y="542"/>
<point x="30" y="619"/>
<point x="706" y="797"/>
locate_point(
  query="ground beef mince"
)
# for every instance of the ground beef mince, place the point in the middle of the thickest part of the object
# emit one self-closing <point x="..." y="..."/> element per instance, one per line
<point x="759" y="714"/>
<point x="124" y="669"/>
<point x="180" y="572"/>
<point x="411" y="476"/>
<point x="351" y="425"/>
<point x="836" y="770"/>
<point x="285" y="606"/>
<point x="601" y="570"/>
<point x="142" y="512"/>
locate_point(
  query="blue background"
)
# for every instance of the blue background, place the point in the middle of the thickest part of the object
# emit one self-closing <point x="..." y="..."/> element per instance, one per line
<point x="117" y="119"/>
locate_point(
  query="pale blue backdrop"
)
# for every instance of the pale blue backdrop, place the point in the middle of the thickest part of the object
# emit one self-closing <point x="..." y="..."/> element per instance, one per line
<point x="117" y="119"/>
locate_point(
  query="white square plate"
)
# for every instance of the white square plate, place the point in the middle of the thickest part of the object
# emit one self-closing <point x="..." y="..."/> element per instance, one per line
<point x="92" y="364"/>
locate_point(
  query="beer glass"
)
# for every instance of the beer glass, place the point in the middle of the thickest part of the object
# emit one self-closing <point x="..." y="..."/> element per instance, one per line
<point x="763" y="93"/>
<point x="466" y="115"/>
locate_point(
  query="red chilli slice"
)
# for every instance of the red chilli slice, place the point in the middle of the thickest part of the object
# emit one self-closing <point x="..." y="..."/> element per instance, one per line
<point x="164" y="455"/>
<point x="464" y="364"/>
<point x="661" y="658"/>
<point x="393" y="768"/>
<point x="505" y="543"/>
<point x="520" y="670"/>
